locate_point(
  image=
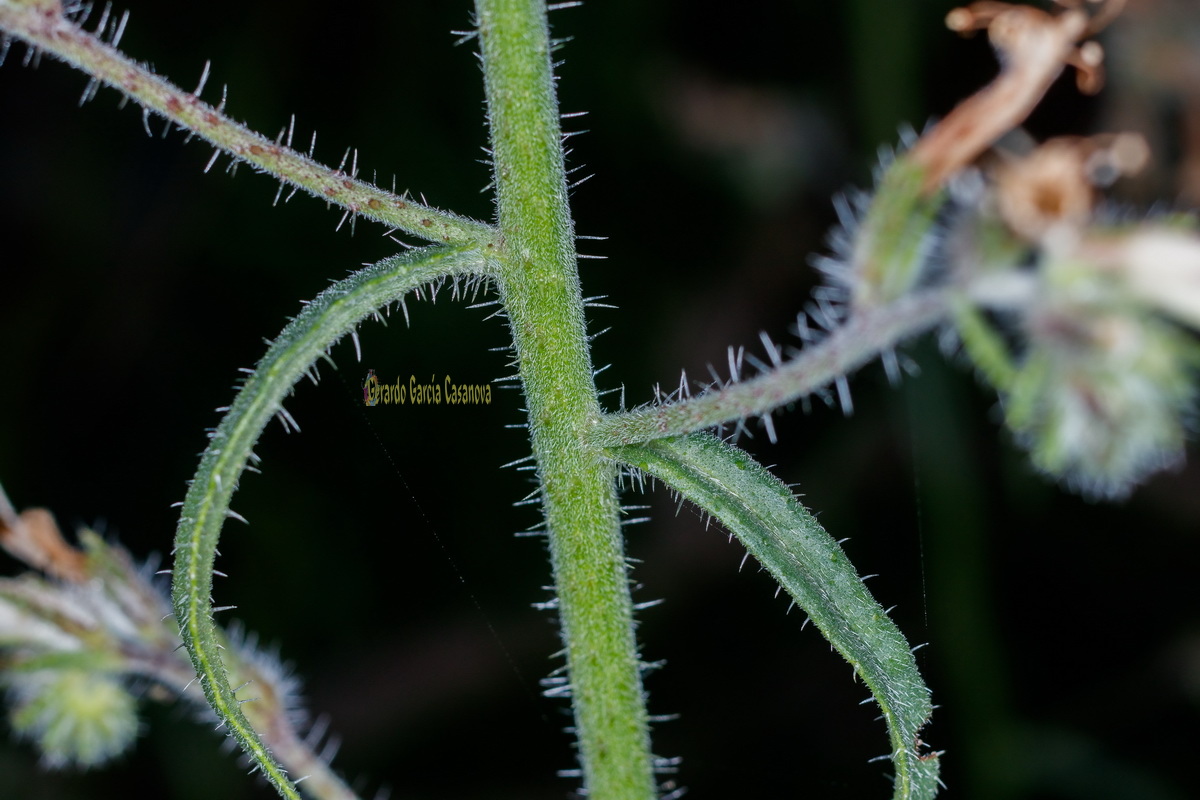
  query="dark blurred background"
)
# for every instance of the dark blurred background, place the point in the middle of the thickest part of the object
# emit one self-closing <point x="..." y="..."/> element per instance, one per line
<point x="1064" y="635"/>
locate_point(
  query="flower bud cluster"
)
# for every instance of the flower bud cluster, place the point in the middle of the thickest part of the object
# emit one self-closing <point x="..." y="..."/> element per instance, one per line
<point x="1071" y="313"/>
<point x="1101" y="394"/>
<point x="73" y="641"/>
<point x="88" y="626"/>
<point x="76" y="717"/>
<point x="1102" y="377"/>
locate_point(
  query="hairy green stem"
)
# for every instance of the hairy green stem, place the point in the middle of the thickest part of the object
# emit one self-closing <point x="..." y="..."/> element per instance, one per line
<point x="332" y="315"/>
<point x="862" y="338"/>
<point x="42" y="25"/>
<point x="539" y="282"/>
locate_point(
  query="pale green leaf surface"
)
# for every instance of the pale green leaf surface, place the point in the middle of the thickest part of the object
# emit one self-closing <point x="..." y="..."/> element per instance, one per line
<point x="787" y="540"/>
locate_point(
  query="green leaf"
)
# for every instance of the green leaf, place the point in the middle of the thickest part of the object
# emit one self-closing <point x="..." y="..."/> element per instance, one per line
<point x="786" y="539"/>
<point x="332" y="315"/>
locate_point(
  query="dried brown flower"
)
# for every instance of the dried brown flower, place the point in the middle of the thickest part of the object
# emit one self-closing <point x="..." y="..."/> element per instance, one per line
<point x="1054" y="187"/>
<point x="1034" y="46"/>
<point x="34" y="538"/>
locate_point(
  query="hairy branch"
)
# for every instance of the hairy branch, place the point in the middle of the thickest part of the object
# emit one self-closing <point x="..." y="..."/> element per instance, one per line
<point x="862" y="338"/>
<point x="43" y="26"/>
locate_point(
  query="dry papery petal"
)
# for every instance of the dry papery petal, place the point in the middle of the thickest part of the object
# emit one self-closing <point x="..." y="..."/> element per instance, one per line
<point x="1052" y="190"/>
<point x="34" y="538"/>
<point x="48" y="8"/>
<point x="1034" y="46"/>
<point x="1162" y="266"/>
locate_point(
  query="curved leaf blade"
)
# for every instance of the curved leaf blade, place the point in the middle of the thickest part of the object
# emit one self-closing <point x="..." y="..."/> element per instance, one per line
<point x="786" y="539"/>
<point x="333" y="314"/>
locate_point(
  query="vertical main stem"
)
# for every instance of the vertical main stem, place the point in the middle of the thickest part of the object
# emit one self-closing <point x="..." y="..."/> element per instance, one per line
<point x="539" y="283"/>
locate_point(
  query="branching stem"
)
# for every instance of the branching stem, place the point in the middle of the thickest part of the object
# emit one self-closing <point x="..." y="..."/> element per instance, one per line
<point x="539" y="283"/>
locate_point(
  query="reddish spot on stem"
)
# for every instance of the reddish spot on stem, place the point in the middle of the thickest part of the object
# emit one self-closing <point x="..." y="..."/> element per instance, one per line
<point x="173" y="105"/>
<point x="212" y="119"/>
<point x="374" y="204"/>
<point x="427" y="223"/>
<point x="347" y="184"/>
<point x="255" y="150"/>
<point x="401" y="204"/>
<point x="330" y="191"/>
